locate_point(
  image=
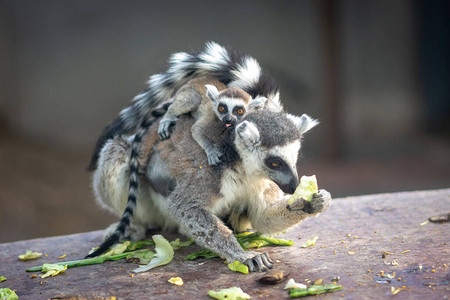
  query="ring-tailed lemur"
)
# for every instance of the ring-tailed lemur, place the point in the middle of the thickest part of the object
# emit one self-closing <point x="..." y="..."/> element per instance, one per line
<point x="201" y="98"/>
<point x="216" y="61"/>
<point x="177" y="193"/>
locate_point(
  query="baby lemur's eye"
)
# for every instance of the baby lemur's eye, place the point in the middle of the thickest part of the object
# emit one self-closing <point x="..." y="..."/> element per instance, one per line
<point x="274" y="164"/>
<point x="221" y="108"/>
<point x="240" y="111"/>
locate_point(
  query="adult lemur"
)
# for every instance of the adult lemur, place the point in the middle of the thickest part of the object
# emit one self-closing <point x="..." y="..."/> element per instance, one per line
<point x="201" y="97"/>
<point x="176" y="193"/>
<point x="241" y="189"/>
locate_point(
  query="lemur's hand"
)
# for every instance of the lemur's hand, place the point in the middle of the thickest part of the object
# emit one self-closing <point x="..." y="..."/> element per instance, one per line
<point x="164" y="128"/>
<point x="320" y="202"/>
<point x="256" y="261"/>
<point x="214" y="155"/>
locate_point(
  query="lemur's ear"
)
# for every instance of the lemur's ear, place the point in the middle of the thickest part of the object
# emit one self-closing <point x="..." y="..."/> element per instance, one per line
<point x="212" y="92"/>
<point x="258" y="103"/>
<point x="249" y="134"/>
<point x="304" y="123"/>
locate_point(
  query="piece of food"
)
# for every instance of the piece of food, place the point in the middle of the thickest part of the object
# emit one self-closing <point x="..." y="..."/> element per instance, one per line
<point x="310" y="243"/>
<point x="142" y="257"/>
<point x="272" y="277"/>
<point x="164" y="254"/>
<point x="29" y="255"/>
<point x="139" y="244"/>
<point x="237" y="266"/>
<point x="233" y="293"/>
<point x="306" y="189"/>
<point x="255" y="240"/>
<point x="3" y="278"/>
<point x="86" y="262"/>
<point x="205" y="253"/>
<point x="52" y="270"/>
<point x="291" y="284"/>
<point x="314" y="290"/>
<point x="116" y="249"/>
<point x="177" y="244"/>
<point x="7" y="294"/>
<point x="176" y="281"/>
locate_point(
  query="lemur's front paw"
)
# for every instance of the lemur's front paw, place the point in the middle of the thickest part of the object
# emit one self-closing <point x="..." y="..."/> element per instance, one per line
<point x="214" y="155"/>
<point x="164" y="128"/>
<point x="257" y="261"/>
<point x="320" y="202"/>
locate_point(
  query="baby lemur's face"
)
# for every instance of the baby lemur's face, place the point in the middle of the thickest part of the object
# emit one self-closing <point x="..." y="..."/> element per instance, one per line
<point x="231" y="104"/>
<point x="230" y="110"/>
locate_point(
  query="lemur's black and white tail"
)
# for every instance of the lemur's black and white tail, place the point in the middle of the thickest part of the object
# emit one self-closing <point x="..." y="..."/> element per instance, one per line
<point x="232" y="69"/>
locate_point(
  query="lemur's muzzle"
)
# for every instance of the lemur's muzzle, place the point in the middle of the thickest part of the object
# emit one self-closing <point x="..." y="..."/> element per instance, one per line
<point x="290" y="187"/>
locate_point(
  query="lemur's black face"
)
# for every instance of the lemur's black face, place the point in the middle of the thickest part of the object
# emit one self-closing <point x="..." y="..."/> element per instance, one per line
<point x="230" y="115"/>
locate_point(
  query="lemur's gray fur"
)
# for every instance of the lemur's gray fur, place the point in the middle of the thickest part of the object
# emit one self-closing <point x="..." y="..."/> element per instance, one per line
<point x="201" y="97"/>
<point x="215" y="61"/>
<point x="249" y="190"/>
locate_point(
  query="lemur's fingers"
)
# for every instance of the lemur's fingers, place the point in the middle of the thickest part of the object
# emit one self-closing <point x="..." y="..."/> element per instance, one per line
<point x="259" y="263"/>
<point x="266" y="260"/>
<point x="250" y="265"/>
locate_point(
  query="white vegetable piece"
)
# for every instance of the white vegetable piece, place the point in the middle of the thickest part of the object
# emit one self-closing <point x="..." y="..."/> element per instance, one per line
<point x="164" y="254"/>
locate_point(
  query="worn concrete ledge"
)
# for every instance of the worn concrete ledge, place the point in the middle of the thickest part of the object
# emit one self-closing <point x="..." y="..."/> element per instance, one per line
<point x="353" y="235"/>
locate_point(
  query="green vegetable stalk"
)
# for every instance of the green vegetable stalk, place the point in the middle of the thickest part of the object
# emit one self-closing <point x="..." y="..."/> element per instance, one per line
<point x="87" y="262"/>
<point x="314" y="290"/>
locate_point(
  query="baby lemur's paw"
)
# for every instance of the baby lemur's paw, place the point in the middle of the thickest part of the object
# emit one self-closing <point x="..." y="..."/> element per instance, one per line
<point x="214" y="155"/>
<point x="320" y="202"/>
<point x="164" y="131"/>
<point x="257" y="261"/>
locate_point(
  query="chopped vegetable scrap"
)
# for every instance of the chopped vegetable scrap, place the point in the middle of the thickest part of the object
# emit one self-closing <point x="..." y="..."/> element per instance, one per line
<point x="116" y="249"/>
<point x="7" y="294"/>
<point x="3" y="278"/>
<point x="314" y="290"/>
<point x="233" y="293"/>
<point x="291" y="284"/>
<point x="201" y="253"/>
<point x="310" y="243"/>
<point x="176" y="281"/>
<point x="396" y="290"/>
<point x="139" y="244"/>
<point x="62" y="256"/>
<point x="164" y="254"/>
<point x="306" y="189"/>
<point x="236" y="266"/>
<point x="177" y="244"/>
<point x="256" y="240"/>
<point x="141" y="257"/>
<point x="52" y="270"/>
<point x="30" y="255"/>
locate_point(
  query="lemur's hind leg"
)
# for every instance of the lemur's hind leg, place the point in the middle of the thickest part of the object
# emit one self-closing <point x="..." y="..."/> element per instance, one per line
<point x="186" y="100"/>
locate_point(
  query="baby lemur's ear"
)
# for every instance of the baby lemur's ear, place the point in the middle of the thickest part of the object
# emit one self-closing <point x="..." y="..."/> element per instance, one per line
<point x="304" y="123"/>
<point x="249" y="134"/>
<point x="258" y="103"/>
<point x="212" y="92"/>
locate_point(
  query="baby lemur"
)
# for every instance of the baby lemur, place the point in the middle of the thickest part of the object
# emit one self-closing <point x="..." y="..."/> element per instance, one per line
<point x="209" y="101"/>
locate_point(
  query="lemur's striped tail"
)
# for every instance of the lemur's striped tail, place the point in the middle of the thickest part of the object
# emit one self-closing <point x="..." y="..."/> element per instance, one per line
<point x="127" y="216"/>
<point x="226" y="65"/>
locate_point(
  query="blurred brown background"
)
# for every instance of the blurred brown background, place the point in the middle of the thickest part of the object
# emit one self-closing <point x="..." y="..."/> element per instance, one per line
<point x="376" y="74"/>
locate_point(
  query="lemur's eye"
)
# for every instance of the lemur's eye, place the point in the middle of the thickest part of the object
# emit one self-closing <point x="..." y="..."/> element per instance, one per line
<point x="274" y="164"/>
<point x="240" y="111"/>
<point x="221" y="108"/>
